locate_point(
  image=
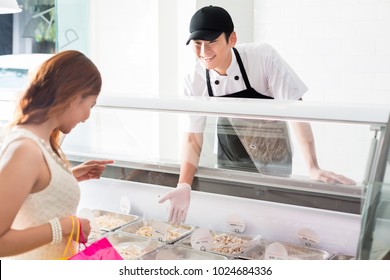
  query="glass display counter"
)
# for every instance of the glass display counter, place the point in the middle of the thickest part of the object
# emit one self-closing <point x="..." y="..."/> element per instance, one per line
<point x="144" y="135"/>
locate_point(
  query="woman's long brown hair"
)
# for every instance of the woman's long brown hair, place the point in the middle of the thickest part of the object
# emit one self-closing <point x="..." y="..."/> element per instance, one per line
<point x="56" y="84"/>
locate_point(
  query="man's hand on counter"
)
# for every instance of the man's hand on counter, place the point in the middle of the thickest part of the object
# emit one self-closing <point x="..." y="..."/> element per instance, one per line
<point x="330" y="177"/>
<point x="91" y="169"/>
<point x="180" y="202"/>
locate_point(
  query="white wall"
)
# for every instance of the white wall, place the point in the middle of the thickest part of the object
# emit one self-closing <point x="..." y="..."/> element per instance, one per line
<point x="341" y="50"/>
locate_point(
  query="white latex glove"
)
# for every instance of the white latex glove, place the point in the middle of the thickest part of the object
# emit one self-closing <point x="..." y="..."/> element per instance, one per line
<point x="180" y="201"/>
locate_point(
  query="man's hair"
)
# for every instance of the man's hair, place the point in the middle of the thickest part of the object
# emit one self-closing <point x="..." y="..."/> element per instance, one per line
<point x="227" y="36"/>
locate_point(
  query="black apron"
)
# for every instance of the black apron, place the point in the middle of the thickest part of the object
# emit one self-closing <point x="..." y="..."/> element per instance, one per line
<point x="231" y="152"/>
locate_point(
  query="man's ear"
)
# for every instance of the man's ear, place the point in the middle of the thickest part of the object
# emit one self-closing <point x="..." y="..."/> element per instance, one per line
<point x="233" y="39"/>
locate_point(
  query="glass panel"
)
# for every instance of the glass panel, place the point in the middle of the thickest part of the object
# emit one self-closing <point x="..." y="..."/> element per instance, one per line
<point x="375" y="239"/>
<point x="33" y="30"/>
<point x="154" y="139"/>
<point x="134" y="136"/>
<point x="121" y="37"/>
<point x="73" y="25"/>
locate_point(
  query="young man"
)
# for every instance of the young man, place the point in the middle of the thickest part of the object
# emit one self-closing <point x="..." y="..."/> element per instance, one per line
<point x="245" y="71"/>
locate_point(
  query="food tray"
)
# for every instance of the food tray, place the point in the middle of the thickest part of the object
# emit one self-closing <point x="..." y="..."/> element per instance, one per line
<point x="294" y="252"/>
<point x="341" y="257"/>
<point x="131" y="247"/>
<point x="95" y="236"/>
<point x="110" y="221"/>
<point x="177" y="252"/>
<point x="239" y="243"/>
<point x="144" y="227"/>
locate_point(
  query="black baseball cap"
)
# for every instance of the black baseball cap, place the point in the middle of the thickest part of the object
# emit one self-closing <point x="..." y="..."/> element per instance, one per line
<point x="209" y="23"/>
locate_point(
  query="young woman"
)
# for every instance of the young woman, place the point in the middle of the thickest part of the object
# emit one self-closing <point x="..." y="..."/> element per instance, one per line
<point x="39" y="192"/>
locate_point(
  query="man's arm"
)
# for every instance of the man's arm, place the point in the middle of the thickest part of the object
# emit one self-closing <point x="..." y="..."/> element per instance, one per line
<point x="190" y="154"/>
<point x="305" y="138"/>
<point x="180" y="196"/>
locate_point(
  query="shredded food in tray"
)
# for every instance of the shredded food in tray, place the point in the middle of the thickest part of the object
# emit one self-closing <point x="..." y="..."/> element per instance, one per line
<point x="129" y="253"/>
<point x="147" y="231"/>
<point x="228" y="244"/>
<point x="107" y="221"/>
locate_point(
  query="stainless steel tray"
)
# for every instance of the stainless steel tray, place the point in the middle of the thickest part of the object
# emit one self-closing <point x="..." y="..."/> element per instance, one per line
<point x="110" y="221"/>
<point x="294" y="252"/>
<point x="341" y="257"/>
<point x="233" y="245"/>
<point x="132" y="247"/>
<point x="177" y="252"/>
<point x="144" y="227"/>
<point x="95" y="236"/>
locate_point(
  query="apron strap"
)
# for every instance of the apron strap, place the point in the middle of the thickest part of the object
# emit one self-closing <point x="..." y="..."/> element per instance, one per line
<point x="242" y="69"/>
<point x="209" y="89"/>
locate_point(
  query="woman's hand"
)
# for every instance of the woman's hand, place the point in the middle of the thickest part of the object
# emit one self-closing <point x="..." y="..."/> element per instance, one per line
<point x="69" y="224"/>
<point x="85" y="227"/>
<point x="91" y="169"/>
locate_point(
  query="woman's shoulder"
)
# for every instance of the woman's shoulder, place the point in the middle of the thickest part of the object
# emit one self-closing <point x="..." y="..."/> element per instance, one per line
<point x="23" y="143"/>
<point x="25" y="148"/>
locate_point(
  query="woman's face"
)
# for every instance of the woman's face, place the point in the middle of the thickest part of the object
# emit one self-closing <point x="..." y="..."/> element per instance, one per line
<point x="78" y="111"/>
<point x="215" y="54"/>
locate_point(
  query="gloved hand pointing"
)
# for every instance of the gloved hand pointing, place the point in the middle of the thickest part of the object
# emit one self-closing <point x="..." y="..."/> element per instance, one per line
<point x="180" y="201"/>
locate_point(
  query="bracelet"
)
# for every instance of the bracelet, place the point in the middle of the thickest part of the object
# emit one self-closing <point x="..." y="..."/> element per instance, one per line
<point x="56" y="231"/>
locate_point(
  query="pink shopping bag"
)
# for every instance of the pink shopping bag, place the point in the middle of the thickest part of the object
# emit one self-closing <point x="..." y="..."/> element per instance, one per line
<point x="99" y="250"/>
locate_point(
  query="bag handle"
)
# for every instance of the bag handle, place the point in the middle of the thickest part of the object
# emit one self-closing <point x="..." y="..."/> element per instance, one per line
<point x="70" y="238"/>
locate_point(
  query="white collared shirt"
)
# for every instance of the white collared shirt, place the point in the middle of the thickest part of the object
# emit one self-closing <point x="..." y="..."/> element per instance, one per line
<point x="267" y="72"/>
